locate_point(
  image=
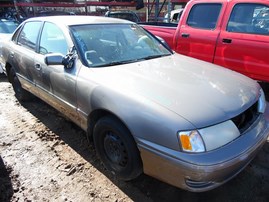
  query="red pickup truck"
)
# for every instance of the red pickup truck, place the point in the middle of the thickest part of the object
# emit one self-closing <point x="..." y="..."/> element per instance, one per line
<point x="230" y="33"/>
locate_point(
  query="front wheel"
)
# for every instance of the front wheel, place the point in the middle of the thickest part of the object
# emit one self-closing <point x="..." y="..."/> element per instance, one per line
<point x="117" y="149"/>
<point x="20" y="93"/>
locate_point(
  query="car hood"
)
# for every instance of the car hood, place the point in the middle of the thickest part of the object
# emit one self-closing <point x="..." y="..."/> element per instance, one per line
<point x="202" y="93"/>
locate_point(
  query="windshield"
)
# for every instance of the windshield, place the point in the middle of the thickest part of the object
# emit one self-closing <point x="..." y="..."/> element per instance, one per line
<point x="8" y="27"/>
<point x="114" y="44"/>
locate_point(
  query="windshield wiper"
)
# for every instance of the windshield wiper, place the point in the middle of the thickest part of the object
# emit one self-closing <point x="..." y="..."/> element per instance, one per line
<point x="155" y="56"/>
<point x="113" y="63"/>
<point x="116" y="63"/>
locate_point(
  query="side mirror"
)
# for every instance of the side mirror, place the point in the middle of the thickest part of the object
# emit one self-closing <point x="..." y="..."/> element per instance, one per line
<point x="54" y="59"/>
<point x="59" y="59"/>
<point x="69" y="60"/>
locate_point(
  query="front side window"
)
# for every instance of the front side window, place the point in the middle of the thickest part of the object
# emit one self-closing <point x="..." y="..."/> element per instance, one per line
<point x="204" y="16"/>
<point x="52" y="40"/>
<point x="113" y="44"/>
<point x="28" y="35"/>
<point x="249" y="18"/>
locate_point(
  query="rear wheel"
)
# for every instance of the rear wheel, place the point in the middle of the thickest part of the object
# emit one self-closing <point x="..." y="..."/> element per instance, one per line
<point x="117" y="149"/>
<point x="20" y="93"/>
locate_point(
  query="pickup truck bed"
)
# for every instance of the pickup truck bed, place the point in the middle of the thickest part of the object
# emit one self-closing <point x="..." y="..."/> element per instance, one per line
<point x="162" y="29"/>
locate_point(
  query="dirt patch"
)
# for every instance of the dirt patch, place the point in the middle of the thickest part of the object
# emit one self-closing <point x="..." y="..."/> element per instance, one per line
<point x="44" y="157"/>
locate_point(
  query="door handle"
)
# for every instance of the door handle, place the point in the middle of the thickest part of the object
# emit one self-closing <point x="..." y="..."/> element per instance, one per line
<point x="185" y="35"/>
<point x="227" y="40"/>
<point x="38" y="66"/>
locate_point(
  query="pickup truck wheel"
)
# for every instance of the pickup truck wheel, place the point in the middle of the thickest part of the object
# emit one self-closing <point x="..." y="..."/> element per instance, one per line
<point x="20" y="93"/>
<point x="117" y="149"/>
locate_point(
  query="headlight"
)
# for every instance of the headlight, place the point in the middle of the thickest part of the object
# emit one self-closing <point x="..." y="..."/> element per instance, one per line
<point x="191" y="141"/>
<point x="209" y="138"/>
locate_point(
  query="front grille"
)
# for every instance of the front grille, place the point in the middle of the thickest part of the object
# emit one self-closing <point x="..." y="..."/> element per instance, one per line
<point x="244" y="120"/>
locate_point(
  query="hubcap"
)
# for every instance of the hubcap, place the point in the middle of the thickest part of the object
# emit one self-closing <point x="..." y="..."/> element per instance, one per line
<point x="115" y="150"/>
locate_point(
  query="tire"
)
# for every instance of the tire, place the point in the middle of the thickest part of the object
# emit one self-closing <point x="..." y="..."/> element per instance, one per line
<point x="20" y="93"/>
<point x="117" y="149"/>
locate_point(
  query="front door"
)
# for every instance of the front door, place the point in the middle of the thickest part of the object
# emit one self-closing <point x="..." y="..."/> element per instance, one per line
<point x="199" y="31"/>
<point x="24" y="51"/>
<point x="56" y="83"/>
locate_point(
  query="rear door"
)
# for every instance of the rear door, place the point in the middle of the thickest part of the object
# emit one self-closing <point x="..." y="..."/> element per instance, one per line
<point x="243" y="44"/>
<point x="199" y="30"/>
<point x="23" y="51"/>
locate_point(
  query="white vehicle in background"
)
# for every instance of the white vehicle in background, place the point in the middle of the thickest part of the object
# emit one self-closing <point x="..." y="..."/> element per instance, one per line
<point x="174" y="16"/>
<point x="7" y="27"/>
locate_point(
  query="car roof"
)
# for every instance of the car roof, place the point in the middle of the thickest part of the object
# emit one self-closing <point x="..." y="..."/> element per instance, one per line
<point x="79" y="20"/>
<point x="121" y="11"/>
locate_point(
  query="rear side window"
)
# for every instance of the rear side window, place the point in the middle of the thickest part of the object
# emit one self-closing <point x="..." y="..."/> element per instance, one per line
<point x="204" y="16"/>
<point x="249" y="18"/>
<point x="28" y="35"/>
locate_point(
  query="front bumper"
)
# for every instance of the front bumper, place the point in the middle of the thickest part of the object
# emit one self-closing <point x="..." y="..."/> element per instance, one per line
<point x="203" y="171"/>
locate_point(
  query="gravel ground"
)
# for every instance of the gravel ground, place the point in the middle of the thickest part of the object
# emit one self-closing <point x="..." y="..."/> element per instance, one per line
<point x="44" y="157"/>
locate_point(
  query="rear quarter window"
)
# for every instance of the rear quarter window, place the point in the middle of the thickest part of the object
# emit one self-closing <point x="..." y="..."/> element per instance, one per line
<point x="204" y="15"/>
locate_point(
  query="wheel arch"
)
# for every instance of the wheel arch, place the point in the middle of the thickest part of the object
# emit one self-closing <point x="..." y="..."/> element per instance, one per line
<point x="131" y="154"/>
<point x="98" y="114"/>
<point x="8" y="66"/>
